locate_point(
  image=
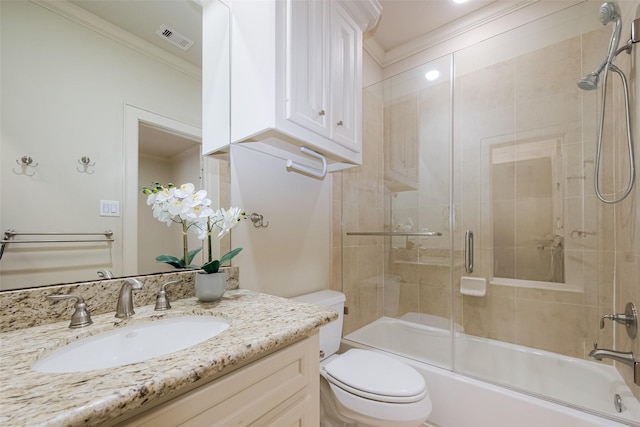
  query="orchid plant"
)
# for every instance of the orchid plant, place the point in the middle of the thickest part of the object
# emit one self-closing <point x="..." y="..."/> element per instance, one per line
<point x="223" y="220"/>
<point x="192" y="210"/>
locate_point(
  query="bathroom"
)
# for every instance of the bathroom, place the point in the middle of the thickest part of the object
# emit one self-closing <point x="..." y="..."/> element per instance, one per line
<point x="384" y="275"/>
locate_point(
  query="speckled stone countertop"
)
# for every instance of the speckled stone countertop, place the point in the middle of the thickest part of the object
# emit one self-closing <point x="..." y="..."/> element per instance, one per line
<point x="259" y="324"/>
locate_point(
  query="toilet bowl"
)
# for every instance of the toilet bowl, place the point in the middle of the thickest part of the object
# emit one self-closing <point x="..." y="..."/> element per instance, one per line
<point x="362" y="387"/>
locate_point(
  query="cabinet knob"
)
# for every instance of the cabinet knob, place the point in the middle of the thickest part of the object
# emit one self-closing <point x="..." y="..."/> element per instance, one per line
<point x="321" y="113"/>
<point x="340" y="123"/>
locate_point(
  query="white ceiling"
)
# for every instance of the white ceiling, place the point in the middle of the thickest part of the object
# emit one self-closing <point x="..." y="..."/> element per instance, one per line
<point x="402" y="21"/>
<point x="143" y="17"/>
<point x="405" y="20"/>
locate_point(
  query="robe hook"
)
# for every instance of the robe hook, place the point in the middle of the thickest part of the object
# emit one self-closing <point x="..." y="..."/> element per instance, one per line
<point x="258" y="220"/>
<point x="25" y="162"/>
<point x="85" y="161"/>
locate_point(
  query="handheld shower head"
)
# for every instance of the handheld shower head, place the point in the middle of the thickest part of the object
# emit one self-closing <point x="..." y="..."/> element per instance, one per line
<point x="609" y="12"/>
<point x="589" y="82"/>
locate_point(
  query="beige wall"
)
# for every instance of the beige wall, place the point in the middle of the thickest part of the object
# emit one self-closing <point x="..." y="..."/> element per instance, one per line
<point x="291" y="256"/>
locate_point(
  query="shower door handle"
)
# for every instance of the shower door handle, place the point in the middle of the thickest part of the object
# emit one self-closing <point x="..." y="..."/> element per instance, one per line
<point x="468" y="251"/>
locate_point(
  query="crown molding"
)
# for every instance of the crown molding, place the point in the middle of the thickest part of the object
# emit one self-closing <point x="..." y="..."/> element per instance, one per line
<point x="373" y="48"/>
<point x="445" y="33"/>
<point x="117" y="34"/>
<point x="366" y="13"/>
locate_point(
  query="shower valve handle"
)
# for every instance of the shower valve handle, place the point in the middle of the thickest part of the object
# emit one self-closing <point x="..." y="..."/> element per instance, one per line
<point x="607" y="316"/>
<point x="629" y="318"/>
<point x="623" y="319"/>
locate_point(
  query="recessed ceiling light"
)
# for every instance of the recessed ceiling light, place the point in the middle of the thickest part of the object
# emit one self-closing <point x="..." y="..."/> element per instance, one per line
<point x="432" y="75"/>
<point x="460" y="1"/>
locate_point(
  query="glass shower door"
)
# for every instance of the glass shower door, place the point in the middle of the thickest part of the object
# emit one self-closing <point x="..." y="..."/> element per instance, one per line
<point x="412" y="112"/>
<point x="524" y="141"/>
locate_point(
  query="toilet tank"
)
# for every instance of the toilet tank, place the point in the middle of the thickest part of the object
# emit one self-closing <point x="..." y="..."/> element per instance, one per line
<point x="330" y="333"/>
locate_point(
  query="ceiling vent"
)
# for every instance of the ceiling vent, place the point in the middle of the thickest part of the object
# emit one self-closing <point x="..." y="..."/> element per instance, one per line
<point x="173" y="37"/>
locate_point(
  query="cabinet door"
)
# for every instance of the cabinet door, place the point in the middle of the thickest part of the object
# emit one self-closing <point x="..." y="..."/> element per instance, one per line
<point x="307" y="68"/>
<point x="346" y="79"/>
<point x="279" y="390"/>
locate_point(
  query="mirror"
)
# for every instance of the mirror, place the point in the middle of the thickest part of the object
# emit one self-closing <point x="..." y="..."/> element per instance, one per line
<point x="67" y="79"/>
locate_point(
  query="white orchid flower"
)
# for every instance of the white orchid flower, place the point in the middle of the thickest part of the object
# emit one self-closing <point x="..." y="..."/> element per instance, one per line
<point x="200" y="198"/>
<point x="227" y="219"/>
<point x="175" y="206"/>
<point x="185" y="190"/>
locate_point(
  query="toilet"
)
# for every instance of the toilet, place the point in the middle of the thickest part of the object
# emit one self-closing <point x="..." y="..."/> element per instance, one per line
<point x="362" y="387"/>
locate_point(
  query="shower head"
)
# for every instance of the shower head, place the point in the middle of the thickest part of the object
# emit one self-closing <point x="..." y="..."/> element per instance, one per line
<point x="589" y="82"/>
<point x="609" y="12"/>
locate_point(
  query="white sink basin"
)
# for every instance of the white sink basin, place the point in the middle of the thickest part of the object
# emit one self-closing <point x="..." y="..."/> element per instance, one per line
<point x="132" y="344"/>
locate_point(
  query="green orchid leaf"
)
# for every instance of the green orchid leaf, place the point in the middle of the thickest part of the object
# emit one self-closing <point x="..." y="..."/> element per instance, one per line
<point x="211" y="267"/>
<point x="171" y="260"/>
<point x="226" y="257"/>
<point x="178" y="263"/>
<point x="190" y="256"/>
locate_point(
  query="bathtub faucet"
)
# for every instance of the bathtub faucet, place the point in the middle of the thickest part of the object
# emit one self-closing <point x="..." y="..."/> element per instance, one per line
<point x="619" y="356"/>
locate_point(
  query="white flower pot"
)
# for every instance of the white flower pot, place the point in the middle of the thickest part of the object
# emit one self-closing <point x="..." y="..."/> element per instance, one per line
<point x="210" y="287"/>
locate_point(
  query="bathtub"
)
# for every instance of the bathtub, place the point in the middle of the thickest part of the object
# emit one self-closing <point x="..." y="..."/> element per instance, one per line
<point x="555" y="385"/>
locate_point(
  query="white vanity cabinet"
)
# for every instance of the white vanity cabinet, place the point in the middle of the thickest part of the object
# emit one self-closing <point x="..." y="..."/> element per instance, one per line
<point x="296" y="79"/>
<point x="281" y="389"/>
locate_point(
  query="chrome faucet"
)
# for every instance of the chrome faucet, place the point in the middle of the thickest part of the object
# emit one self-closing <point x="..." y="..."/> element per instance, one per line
<point x="125" y="299"/>
<point x="625" y="357"/>
<point x="619" y="356"/>
<point x="162" y="300"/>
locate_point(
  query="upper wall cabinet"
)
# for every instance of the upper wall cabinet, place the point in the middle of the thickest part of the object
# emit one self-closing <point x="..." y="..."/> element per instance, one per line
<point x="296" y="79"/>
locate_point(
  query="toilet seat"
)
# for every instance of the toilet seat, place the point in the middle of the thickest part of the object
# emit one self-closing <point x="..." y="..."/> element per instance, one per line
<point x="375" y="376"/>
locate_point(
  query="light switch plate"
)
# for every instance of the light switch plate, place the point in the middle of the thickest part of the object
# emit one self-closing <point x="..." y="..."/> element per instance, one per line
<point x="109" y="208"/>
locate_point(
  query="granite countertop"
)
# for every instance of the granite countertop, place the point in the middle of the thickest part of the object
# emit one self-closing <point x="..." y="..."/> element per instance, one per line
<point x="259" y="324"/>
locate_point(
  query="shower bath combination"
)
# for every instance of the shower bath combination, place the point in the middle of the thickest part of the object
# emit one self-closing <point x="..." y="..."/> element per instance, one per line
<point x="610" y="12"/>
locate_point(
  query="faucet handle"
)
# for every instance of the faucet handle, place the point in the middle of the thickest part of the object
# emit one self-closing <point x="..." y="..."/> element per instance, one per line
<point x="162" y="300"/>
<point x="606" y="316"/>
<point x="81" y="316"/>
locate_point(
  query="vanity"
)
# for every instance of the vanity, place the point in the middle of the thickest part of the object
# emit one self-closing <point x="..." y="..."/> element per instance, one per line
<point x="263" y="368"/>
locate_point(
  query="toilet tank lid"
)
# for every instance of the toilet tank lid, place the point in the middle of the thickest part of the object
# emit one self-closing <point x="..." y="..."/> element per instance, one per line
<point x="325" y="298"/>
